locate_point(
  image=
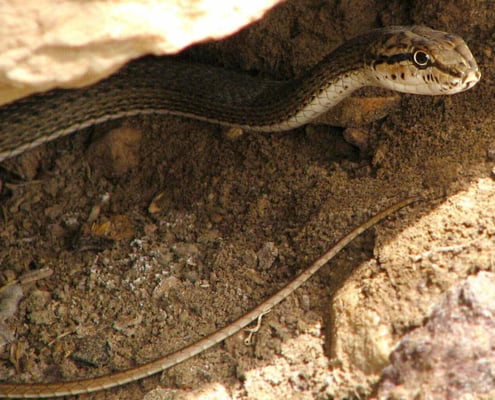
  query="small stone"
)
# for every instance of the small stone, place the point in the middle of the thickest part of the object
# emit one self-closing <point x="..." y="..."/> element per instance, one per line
<point x="54" y="212"/>
<point x="9" y="299"/>
<point x="117" y="152"/>
<point x="41" y="317"/>
<point x="305" y="302"/>
<point x="357" y="137"/>
<point x="40" y="299"/>
<point x="249" y="258"/>
<point x="158" y="203"/>
<point x="267" y="255"/>
<point x="184" y="250"/>
<point x="92" y="350"/>
<point x="128" y="324"/>
<point x="233" y="133"/>
<point x="165" y="286"/>
<point x="359" y="111"/>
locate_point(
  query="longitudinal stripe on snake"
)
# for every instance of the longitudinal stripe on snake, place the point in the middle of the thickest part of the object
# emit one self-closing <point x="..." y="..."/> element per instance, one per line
<point x="406" y="59"/>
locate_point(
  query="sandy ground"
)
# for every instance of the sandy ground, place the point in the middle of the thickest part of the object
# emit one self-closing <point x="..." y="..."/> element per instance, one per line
<point x="190" y="229"/>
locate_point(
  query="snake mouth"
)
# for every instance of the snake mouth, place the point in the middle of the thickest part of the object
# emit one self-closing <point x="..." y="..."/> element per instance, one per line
<point x="471" y="79"/>
<point x="465" y="81"/>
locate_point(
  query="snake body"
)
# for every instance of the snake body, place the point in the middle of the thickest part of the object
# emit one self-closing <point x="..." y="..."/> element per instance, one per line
<point x="407" y="59"/>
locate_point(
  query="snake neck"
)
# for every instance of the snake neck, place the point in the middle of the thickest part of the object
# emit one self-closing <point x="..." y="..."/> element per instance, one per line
<point x="342" y="72"/>
<point x="316" y="99"/>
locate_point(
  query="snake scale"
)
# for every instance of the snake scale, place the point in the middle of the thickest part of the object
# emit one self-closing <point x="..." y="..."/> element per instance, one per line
<point x="412" y="59"/>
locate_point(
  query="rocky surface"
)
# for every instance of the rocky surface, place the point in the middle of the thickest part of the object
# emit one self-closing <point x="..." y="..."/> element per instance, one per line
<point x="66" y="43"/>
<point x="453" y="355"/>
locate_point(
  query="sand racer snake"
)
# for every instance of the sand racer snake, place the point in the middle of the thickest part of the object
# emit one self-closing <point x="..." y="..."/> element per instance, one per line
<point x="407" y="59"/>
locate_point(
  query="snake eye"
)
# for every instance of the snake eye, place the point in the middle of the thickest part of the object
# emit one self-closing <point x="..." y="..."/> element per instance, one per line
<point x="421" y="59"/>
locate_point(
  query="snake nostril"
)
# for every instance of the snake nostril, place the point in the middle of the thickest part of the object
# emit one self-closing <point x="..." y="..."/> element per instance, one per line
<point x="471" y="79"/>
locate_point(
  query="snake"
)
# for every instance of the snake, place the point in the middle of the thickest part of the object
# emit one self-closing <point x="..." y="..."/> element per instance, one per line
<point x="413" y="59"/>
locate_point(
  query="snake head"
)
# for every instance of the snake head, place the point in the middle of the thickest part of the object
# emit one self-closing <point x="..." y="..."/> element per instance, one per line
<point x="421" y="60"/>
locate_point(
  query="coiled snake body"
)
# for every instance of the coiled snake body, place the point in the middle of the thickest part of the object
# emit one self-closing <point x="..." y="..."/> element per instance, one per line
<point x="407" y="59"/>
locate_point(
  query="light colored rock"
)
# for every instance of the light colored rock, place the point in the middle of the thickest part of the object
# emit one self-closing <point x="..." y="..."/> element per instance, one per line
<point x="67" y="43"/>
<point x="387" y="297"/>
<point x="453" y="354"/>
<point x="364" y="339"/>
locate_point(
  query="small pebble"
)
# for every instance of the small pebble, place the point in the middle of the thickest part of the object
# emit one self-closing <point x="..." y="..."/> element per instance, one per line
<point x="267" y="255"/>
